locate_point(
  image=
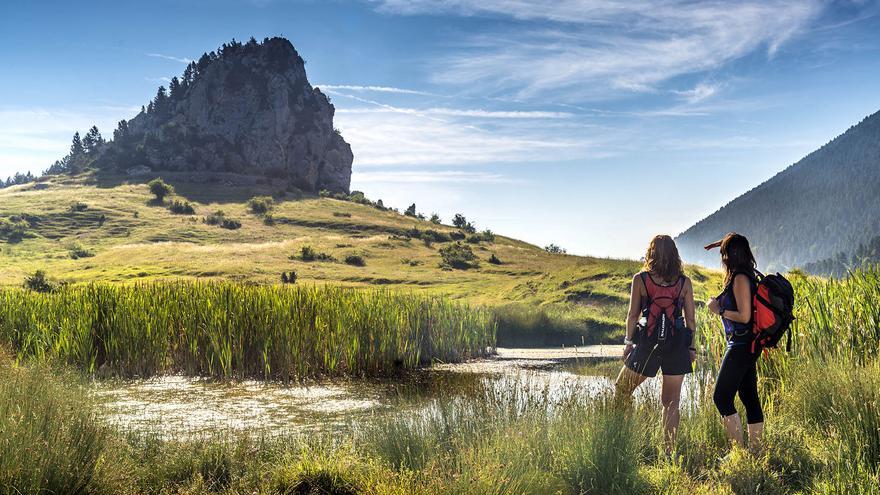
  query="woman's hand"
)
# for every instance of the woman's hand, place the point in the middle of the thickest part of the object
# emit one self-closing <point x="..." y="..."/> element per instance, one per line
<point x="627" y="350"/>
<point x="713" y="305"/>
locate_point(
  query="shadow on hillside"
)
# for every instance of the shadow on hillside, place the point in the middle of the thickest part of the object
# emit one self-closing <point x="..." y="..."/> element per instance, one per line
<point x="208" y="188"/>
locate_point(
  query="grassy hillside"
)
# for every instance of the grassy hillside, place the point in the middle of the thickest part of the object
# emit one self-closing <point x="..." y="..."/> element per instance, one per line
<point x="85" y="229"/>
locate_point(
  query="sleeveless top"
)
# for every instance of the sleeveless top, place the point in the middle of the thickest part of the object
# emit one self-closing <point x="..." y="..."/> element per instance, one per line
<point x="665" y="298"/>
<point x="736" y="333"/>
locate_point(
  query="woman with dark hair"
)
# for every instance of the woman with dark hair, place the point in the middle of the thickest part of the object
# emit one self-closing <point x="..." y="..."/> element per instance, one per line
<point x="738" y="373"/>
<point x="659" y="330"/>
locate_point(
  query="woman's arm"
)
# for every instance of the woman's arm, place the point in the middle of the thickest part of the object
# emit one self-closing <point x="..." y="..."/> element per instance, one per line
<point x="690" y="310"/>
<point x="632" y="318"/>
<point x="742" y="292"/>
<point x="690" y="315"/>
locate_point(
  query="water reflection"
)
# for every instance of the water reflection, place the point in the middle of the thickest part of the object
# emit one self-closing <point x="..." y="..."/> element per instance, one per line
<point x="177" y="405"/>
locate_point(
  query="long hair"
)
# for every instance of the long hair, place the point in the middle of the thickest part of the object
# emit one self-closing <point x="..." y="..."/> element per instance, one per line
<point x="662" y="258"/>
<point x="736" y="256"/>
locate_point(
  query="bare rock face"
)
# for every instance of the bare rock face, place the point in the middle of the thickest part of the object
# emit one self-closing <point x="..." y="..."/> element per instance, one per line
<point x="249" y="110"/>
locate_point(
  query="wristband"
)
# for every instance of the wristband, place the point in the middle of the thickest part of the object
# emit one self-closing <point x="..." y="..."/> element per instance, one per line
<point x="626" y="341"/>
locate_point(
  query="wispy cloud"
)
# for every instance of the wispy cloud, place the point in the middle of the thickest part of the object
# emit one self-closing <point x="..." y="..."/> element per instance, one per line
<point x="374" y="89"/>
<point x="431" y="176"/>
<point x="584" y="49"/>
<point x="698" y="93"/>
<point x="391" y="138"/>
<point x="463" y="112"/>
<point x="159" y="80"/>
<point x="182" y="60"/>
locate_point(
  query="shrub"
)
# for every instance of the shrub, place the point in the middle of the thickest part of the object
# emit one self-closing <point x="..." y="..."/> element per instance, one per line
<point x="474" y="239"/>
<point x="13" y="229"/>
<point x="215" y="218"/>
<point x="288" y="277"/>
<point x="410" y="211"/>
<point x="308" y="253"/>
<point x="554" y="249"/>
<point x="160" y="189"/>
<point x="494" y="259"/>
<point x="488" y="235"/>
<point x="39" y="282"/>
<point x="181" y="208"/>
<point x="459" y="256"/>
<point x="355" y="260"/>
<point x="230" y="223"/>
<point x="341" y="214"/>
<point x="459" y="221"/>
<point x="269" y="220"/>
<point x="219" y="218"/>
<point x="435" y="219"/>
<point x="77" y="250"/>
<point x="78" y="206"/>
<point x="260" y="205"/>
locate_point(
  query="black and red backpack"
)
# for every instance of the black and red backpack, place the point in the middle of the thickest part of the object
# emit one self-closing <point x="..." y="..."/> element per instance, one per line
<point x="661" y="312"/>
<point x="772" y="310"/>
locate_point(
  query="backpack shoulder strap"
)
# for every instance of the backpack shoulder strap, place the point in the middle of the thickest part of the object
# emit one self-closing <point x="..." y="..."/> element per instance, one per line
<point x="644" y="276"/>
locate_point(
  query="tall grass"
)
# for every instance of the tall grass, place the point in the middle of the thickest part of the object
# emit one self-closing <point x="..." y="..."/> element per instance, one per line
<point x="224" y="329"/>
<point x="50" y="440"/>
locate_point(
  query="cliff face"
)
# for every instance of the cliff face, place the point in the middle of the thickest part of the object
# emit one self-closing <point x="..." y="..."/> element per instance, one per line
<point x="247" y="110"/>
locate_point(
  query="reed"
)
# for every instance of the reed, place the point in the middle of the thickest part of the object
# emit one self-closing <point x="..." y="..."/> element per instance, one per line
<point x="230" y="330"/>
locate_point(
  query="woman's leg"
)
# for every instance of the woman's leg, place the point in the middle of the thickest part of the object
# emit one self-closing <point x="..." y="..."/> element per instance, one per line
<point x="627" y="382"/>
<point x="670" y="397"/>
<point x="748" y="394"/>
<point x="733" y="368"/>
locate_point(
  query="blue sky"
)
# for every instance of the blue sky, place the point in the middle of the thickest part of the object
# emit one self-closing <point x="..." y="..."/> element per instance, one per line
<point x="593" y="124"/>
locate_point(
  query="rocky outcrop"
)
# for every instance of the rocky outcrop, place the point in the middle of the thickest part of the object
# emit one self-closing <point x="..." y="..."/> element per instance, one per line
<point x="248" y="109"/>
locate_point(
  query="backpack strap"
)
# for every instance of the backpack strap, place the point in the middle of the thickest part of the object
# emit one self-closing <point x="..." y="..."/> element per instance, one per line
<point x="644" y="276"/>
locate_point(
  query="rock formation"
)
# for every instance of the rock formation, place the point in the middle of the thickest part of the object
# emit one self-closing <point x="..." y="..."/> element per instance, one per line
<point x="247" y="109"/>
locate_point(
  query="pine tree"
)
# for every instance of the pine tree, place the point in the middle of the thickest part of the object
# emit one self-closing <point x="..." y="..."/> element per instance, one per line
<point x="93" y="140"/>
<point x="188" y="75"/>
<point x="174" y="88"/>
<point x="121" y="130"/>
<point x="161" y="101"/>
<point x="76" y="146"/>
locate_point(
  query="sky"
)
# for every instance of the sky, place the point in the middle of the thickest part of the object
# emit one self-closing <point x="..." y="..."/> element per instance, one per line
<point x="591" y="124"/>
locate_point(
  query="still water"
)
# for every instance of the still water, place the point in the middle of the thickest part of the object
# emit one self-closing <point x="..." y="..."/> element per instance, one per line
<point x="182" y="406"/>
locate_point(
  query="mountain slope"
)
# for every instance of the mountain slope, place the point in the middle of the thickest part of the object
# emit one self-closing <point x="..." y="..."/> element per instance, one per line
<point x="827" y="203"/>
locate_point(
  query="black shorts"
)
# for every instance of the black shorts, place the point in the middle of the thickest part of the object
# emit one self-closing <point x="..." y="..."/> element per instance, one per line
<point x="645" y="360"/>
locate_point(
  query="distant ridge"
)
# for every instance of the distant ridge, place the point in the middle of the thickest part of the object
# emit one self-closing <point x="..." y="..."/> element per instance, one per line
<point x="826" y="204"/>
<point x="246" y="109"/>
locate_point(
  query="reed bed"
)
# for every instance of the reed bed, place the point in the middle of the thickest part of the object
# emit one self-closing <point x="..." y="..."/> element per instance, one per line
<point x="230" y="330"/>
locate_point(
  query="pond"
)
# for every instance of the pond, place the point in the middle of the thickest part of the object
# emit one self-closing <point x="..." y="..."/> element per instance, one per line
<point x="182" y="406"/>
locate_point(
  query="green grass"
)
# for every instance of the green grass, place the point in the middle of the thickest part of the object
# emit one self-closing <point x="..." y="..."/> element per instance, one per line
<point x="133" y="240"/>
<point x="229" y="330"/>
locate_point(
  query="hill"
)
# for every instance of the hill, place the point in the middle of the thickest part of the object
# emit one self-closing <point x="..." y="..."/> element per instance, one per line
<point x="245" y="112"/>
<point x="825" y="204"/>
<point x="81" y="229"/>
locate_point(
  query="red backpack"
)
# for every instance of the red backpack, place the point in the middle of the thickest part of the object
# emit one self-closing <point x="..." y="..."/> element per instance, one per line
<point x="663" y="309"/>
<point x="772" y="310"/>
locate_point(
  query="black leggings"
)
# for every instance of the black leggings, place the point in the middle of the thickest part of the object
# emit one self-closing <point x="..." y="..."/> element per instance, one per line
<point x="739" y="374"/>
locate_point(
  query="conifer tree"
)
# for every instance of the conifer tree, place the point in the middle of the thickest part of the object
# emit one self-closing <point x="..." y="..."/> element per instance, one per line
<point x="76" y="146"/>
<point x="174" y="88"/>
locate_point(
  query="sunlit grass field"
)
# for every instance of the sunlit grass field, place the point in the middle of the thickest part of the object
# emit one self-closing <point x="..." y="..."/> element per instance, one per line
<point x="91" y="229"/>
